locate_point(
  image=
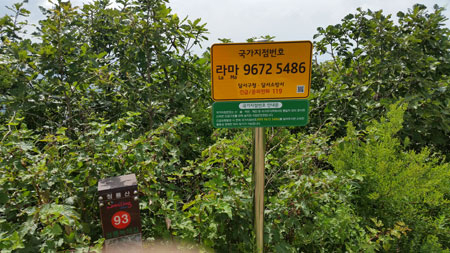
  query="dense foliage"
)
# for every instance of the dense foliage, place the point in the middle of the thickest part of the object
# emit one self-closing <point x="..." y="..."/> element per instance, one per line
<point x="106" y="90"/>
<point x="376" y="61"/>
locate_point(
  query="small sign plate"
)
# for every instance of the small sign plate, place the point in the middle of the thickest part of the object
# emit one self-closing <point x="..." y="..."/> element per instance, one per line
<point x="274" y="113"/>
<point x="262" y="70"/>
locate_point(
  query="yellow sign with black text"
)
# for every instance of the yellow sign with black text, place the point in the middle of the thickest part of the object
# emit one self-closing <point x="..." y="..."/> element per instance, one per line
<point x="261" y="70"/>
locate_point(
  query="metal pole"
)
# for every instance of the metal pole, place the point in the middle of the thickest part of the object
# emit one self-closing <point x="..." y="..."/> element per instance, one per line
<point x="258" y="177"/>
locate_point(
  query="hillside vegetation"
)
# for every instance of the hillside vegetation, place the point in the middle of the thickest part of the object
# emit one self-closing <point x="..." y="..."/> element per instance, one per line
<point x="99" y="91"/>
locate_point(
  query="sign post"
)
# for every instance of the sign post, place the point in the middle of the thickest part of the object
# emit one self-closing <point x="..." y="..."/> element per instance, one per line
<point x="257" y="85"/>
<point x="258" y="179"/>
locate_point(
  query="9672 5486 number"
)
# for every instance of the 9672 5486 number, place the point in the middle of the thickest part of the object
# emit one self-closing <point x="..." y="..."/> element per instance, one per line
<point x="266" y="68"/>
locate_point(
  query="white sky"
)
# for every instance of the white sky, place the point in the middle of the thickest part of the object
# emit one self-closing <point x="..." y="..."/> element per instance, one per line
<point x="284" y="19"/>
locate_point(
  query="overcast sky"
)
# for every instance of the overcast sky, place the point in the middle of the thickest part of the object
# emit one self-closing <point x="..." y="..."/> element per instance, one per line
<point x="284" y="19"/>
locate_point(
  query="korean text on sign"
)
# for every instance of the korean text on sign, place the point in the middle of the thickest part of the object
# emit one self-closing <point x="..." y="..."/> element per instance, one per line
<point x="235" y="66"/>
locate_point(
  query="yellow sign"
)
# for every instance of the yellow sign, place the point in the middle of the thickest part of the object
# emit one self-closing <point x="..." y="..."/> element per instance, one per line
<point x="262" y="70"/>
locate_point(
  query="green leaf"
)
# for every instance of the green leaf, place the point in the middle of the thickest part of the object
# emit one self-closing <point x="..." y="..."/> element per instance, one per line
<point x="56" y="230"/>
<point x="227" y="209"/>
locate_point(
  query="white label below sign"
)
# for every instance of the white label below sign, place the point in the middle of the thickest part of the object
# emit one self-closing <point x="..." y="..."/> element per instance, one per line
<point x="263" y="105"/>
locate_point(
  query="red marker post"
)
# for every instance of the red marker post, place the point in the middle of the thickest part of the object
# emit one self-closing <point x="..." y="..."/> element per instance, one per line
<point x="119" y="210"/>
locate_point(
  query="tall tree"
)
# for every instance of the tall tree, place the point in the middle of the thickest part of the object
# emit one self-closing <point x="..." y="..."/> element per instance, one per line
<point x="101" y="62"/>
<point x="376" y="61"/>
